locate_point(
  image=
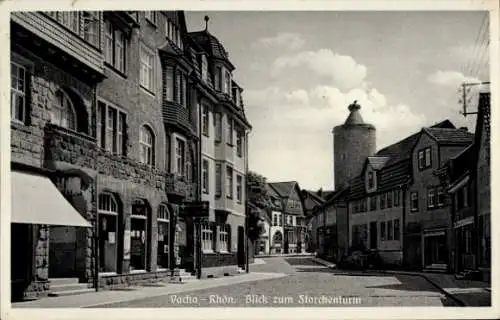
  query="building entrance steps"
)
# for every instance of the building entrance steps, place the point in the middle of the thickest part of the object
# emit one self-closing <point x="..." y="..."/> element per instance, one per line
<point x="95" y="299"/>
<point x="67" y="286"/>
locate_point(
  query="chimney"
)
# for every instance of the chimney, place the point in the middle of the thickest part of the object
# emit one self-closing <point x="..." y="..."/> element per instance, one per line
<point x="463" y="129"/>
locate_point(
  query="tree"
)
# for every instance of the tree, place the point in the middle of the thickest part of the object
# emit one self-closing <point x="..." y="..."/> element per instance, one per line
<point x="259" y="202"/>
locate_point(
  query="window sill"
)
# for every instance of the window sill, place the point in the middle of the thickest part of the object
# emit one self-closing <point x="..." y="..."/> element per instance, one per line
<point x="224" y="252"/>
<point x="230" y="145"/>
<point x="217" y="141"/>
<point x="228" y="197"/>
<point x="206" y="134"/>
<point x="205" y="191"/>
<point x="148" y="91"/>
<point x="137" y="271"/>
<point x="115" y="70"/>
<point x="413" y="210"/>
<point x="207" y="251"/>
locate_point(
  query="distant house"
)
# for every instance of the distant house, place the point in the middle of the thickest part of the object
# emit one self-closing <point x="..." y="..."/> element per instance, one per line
<point x="290" y="217"/>
<point x="311" y="201"/>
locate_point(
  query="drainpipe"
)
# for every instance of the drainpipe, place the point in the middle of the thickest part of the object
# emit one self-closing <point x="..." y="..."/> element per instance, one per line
<point x="96" y="237"/>
<point x="197" y="224"/>
<point x="96" y="216"/>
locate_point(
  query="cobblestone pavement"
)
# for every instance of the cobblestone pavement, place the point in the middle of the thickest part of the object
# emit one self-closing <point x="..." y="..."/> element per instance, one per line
<point x="306" y="284"/>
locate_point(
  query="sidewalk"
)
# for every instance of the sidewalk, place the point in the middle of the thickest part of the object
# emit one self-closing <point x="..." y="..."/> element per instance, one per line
<point x="465" y="292"/>
<point x="94" y="299"/>
<point x="305" y="254"/>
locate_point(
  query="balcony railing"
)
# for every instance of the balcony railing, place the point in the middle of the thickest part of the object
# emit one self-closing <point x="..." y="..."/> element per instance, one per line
<point x="56" y="34"/>
<point x="64" y="145"/>
<point x="178" y="186"/>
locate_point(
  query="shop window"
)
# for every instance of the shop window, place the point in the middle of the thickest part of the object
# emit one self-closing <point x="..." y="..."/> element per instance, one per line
<point x="163" y="221"/>
<point x="224" y="238"/>
<point x="207" y="239"/>
<point x="107" y="232"/>
<point x="138" y="235"/>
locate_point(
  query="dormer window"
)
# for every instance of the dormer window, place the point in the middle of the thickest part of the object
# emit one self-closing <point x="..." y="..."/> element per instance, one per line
<point x="227" y="83"/>
<point x="371" y="180"/>
<point x="218" y="78"/>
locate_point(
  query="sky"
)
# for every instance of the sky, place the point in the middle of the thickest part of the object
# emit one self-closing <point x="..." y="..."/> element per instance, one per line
<point x="300" y="70"/>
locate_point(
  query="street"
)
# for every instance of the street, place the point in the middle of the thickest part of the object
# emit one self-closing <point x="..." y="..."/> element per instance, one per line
<point x="306" y="285"/>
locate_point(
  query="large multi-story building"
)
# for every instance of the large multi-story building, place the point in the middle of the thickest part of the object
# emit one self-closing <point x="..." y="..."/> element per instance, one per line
<point x="224" y="131"/>
<point x="107" y="120"/>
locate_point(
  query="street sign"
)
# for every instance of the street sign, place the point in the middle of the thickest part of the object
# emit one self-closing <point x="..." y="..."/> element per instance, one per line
<point x="199" y="209"/>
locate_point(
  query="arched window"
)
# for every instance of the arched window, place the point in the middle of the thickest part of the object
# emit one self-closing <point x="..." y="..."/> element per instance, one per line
<point x="147" y="141"/>
<point x="107" y="204"/>
<point x="63" y="113"/>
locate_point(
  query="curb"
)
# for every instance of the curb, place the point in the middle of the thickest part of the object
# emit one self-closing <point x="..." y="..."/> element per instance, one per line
<point x="459" y="301"/>
<point x="446" y="293"/>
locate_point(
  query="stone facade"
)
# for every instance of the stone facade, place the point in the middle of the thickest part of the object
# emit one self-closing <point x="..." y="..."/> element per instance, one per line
<point x="84" y="167"/>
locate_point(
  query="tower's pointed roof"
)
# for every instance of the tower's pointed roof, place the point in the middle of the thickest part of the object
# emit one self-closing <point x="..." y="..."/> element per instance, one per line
<point x="354" y="117"/>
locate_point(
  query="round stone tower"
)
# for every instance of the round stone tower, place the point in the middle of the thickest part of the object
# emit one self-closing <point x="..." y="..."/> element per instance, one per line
<point x="353" y="142"/>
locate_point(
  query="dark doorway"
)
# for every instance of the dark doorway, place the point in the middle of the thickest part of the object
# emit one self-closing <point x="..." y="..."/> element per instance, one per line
<point x="21" y="251"/>
<point x="373" y="235"/>
<point x="62" y="252"/>
<point x="241" y="246"/>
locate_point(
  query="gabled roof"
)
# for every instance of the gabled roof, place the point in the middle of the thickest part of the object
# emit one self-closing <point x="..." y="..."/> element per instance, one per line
<point x="450" y="136"/>
<point x="388" y="178"/>
<point x="283" y="189"/>
<point x="272" y="193"/>
<point x="444" y="124"/>
<point x="313" y="196"/>
<point x="400" y="150"/>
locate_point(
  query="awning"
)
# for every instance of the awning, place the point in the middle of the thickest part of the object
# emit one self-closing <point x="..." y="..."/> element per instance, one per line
<point x="36" y="200"/>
